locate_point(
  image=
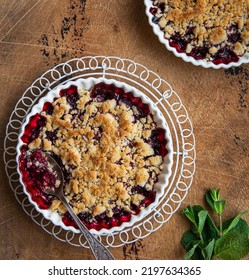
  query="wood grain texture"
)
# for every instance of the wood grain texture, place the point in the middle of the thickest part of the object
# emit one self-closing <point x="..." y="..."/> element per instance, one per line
<point x="36" y="35"/>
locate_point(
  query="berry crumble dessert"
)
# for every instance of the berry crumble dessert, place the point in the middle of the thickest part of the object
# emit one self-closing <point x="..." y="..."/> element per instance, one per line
<point x="109" y="147"/>
<point x="212" y="30"/>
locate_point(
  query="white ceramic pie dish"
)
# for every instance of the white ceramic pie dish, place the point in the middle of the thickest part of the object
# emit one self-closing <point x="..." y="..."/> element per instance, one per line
<point x="206" y="64"/>
<point x="163" y="178"/>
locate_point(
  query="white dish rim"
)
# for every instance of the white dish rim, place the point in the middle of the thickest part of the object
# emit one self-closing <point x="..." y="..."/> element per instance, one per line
<point x="163" y="178"/>
<point x="206" y="64"/>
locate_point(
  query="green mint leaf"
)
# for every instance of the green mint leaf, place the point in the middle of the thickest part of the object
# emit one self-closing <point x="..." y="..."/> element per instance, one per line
<point x="188" y="238"/>
<point x="191" y="212"/>
<point x="207" y="251"/>
<point x="209" y="200"/>
<point x="215" y="194"/>
<point x="219" y="206"/>
<point x="214" y="201"/>
<point x="233" y="222"/>
<point x="210" y="230"/>
<point x="232" y="246"/>
<point x="202" y="216"/>
<point x="202" y="222"/>
<point x="242" y="227"/>
<point x="191" y="252"/>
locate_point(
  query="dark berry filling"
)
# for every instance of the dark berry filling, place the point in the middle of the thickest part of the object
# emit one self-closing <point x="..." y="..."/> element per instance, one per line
<point x="225" y="54"/>
<point x="178" y="42"/>
<point x="158" y="142"/>
<point x="71" y="95"/>
<point x="36" y="174"/>
<point x="48" y="108"/>
<point x="33" y="128"/>
<point x="103" y="92"/>
<point x="233" y="34"/>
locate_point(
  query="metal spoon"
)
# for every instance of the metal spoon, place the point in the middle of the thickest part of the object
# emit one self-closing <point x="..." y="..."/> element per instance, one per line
<point x="99" y="250"/>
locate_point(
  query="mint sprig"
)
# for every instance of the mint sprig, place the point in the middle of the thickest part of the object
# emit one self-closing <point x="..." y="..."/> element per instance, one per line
<point x="206" y="240"/>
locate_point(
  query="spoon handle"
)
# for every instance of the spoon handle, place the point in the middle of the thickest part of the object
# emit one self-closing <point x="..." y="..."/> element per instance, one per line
<point x="99" y="250"/>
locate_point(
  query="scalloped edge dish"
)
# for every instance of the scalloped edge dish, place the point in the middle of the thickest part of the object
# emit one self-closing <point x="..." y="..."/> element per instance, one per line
<point x="163" y="177"/>
<point x="206" y="64"/>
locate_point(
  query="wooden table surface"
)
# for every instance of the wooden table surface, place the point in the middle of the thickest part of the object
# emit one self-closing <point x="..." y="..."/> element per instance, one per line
<point x="35" y="35"/>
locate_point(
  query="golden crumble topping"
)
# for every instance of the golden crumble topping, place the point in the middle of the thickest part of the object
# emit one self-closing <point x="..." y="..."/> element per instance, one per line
<point x="106" y="151"/>
<point x="213" y="24"/>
